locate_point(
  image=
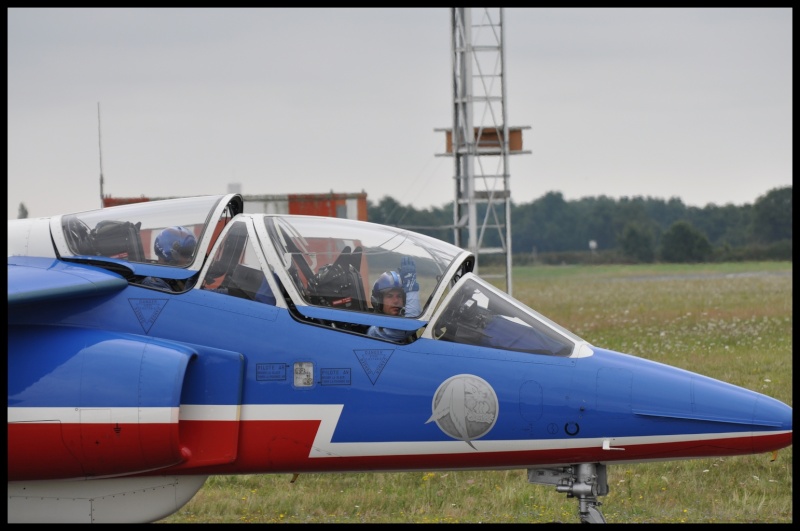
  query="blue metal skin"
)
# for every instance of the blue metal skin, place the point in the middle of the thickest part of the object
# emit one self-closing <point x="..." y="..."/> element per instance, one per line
<point x="115" y="387"/>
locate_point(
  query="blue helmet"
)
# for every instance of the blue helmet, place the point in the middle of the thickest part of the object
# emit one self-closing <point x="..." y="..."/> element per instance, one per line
<point x="386" y="282"/>
<point x="174" y="243"/>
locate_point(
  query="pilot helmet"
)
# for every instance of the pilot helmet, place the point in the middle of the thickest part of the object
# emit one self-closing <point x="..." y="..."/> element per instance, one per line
<point x="174" y="243"/>
<point x="387" y="281"/>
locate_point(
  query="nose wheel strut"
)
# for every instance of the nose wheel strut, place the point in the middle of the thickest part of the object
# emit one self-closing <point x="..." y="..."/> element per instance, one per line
<point x="585" y="481"/>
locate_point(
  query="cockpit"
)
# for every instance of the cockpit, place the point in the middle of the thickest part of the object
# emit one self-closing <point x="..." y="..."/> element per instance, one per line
<point x="320" y="269"/>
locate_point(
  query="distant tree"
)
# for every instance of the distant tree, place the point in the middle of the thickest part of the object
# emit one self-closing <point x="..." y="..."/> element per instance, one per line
<point x="596" y="220"/>
<point x="385" y="212"/>
<point x="726" y="224"/>
<point x="637" y="242"/>
<point x="665" y="213"/>
<point x="684" y="243"/>
<point x="551" y="224"/>
<point x="23" y="212"/>
<point x="772" y="216"/>
<point x="436" y="222"/>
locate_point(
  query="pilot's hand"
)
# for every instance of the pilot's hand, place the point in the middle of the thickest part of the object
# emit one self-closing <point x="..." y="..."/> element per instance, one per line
<point x="408" y="274"/>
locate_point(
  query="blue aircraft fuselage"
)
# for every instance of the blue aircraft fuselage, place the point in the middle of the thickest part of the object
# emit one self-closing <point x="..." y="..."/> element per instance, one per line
<point x="266" y="343"/>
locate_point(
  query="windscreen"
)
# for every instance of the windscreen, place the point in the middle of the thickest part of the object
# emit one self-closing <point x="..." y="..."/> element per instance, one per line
<point x="479" y="314"/>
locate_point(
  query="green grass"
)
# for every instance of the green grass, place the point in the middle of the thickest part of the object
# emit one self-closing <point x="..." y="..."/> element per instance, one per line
<point x="728" y="321"/>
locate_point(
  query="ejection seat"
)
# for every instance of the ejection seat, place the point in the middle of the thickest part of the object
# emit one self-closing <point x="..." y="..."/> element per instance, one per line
<point x="118" y="239"/>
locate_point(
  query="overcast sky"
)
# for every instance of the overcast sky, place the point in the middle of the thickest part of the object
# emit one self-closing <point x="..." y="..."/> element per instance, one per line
<point x="687" y="103"/>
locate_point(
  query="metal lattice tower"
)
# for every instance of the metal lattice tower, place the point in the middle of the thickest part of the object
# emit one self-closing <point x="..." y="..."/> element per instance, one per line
<point x="481" y="140"/>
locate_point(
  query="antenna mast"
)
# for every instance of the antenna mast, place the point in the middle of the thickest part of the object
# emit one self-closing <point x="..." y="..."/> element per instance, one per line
<point x="100" y="147"/>
<point x="481" y="139"/>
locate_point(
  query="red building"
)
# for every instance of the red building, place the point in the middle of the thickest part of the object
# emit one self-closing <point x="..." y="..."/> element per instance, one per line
<point x="334" y="205"/>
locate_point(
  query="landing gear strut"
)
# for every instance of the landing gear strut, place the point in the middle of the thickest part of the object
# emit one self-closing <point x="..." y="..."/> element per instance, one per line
<point x="585" y="481"/>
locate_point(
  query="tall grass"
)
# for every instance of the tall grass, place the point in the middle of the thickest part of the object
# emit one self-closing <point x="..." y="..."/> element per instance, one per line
<point x="728" y="321"/>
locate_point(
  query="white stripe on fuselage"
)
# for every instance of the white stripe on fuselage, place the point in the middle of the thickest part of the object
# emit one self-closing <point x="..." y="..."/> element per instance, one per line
<point x="94" y="415"/>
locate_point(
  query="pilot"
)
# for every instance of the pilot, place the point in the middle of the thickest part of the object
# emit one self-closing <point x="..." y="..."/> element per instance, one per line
<point x="396" y="293"/>
<point x="173" y="246"/>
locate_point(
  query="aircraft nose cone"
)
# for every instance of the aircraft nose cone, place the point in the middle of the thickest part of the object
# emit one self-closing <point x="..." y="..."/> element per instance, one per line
<point x="770" y="412"/>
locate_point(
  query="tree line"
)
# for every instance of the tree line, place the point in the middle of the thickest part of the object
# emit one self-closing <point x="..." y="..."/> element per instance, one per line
<point x="626" y="230"/>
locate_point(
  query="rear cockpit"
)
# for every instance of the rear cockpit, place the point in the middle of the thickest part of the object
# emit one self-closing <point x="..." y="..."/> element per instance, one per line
<point x="128" y="232"/>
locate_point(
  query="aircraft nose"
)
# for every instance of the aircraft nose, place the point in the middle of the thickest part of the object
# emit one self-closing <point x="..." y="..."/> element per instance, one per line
<point x="773" y="413"/>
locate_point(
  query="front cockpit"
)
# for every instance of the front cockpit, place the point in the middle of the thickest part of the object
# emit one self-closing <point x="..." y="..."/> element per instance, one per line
<point x="334" y="263"/>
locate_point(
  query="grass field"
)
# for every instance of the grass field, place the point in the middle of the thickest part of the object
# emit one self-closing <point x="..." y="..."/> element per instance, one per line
<point x="728" y="321"/>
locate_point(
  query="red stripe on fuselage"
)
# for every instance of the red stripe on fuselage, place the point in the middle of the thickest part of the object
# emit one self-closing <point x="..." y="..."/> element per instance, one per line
<point x="53" y="450"/>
